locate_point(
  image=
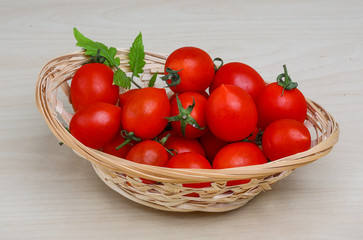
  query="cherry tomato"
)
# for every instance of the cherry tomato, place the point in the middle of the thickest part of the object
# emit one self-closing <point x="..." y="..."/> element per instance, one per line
<point x="187" y="119"/>
<point x="181" y="144"/>
<point x="92" y="83"/>
<point x="148" y="152"/>
<point x="241" y="75"/>
<point x="144" y="113"/>
<point x="190" y="160"/>
<point x="111" y="146"/>
<point x="238" y="154"/>
<point x="285" y="137"/>
<point x="211" y="144"/>
<point x="274" y="102"/>
<point x="96" y="124"/>
<point x="126" y="95"/>
<point x="231" y="113"/>
<point x="196" y="69"/>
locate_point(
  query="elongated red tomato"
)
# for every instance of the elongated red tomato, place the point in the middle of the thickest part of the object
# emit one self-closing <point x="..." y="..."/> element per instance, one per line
<point x="190" y="160"/>
<point x="96" y="124"/>
<point x="231" y="113"/>
<point x="240" y="75"/>
<point x="148" y="152"/>
<point x="144" y="113"/>
<point x="93" y="83"/>
<point x="197" y="114"/>
<point x="238" y="155"/>
<point x="196" y="69"/>
<point x="285" y="137"/>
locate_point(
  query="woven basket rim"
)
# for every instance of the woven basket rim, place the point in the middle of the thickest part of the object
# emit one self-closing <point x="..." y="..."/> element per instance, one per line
<point x="173" y="175"/>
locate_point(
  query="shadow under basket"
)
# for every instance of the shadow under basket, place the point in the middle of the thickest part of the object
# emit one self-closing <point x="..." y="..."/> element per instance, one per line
<point x="165" y="191"/>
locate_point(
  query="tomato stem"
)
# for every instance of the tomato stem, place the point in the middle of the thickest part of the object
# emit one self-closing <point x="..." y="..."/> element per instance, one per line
<point x="217" y="59"/>
<point x="128" y="136"/>
<point x="285" y="81"/>
<point x="173" y="76"/>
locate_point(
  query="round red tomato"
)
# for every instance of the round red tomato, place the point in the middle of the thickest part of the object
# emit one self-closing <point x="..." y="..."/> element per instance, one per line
<point x="231" y="113"/>
<point x="196" y="69"/>
<point x="280" y="100"/>
<point x="181" y="145"/>
<point x="186" y="123"/>
<point x="240" y="75"/>
<point x="238" y="154"/>
<point x="111" y="146"/>
<point x="190" y="160"/>
<point x="211" y="144"/>
<point x="145" y="112"/>
<point x="96" y="124"/>
<point x="285" y="137"/>
<point x="92" y="83"/>
<point x="148" y="152"/>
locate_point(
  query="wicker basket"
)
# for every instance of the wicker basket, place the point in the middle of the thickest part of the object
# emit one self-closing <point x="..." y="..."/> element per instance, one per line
<point x="123" y="176"/>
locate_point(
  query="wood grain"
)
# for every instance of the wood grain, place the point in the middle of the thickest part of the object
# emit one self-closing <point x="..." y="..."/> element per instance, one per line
<point x="49" y="192"/>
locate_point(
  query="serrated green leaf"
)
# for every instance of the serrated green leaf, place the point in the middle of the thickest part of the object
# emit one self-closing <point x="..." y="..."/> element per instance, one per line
<point x="153" y="80"/>
<point x="92" y="47"/>
<point x="121" y="79"/>
<point x="137" y="56"/>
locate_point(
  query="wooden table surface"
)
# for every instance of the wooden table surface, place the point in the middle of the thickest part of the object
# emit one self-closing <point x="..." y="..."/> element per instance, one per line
<point x="47" y="192"/>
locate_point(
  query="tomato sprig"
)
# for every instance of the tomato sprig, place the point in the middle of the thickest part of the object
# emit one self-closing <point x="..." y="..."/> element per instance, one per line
<point x="128" y="136"/>
<point x="285" y="81"/>
<point x="173" y="77"/>
<point x="184" y="116"/>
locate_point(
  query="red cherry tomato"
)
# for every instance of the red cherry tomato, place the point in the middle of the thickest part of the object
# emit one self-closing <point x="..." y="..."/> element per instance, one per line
<point x="181" y="144"/>
<point x="196" y="69"/>
<point x="238" y="154"/>
<point x="92" y="83"/>
<point x="198" y="114"/>
<point x="211" y="144"/>
<point x="126" y="95"/>
<point x="190" y="160"/>
<point x="144" y="113"/>
<point x="240" y="75"/>
<point x="274" y="102"/>
<point x="148" y="152"/>
<point x="96" y="124"/>
<point x="285" y="137"/>
<point x="231" y="113"/>
<point x="111" y="146"/>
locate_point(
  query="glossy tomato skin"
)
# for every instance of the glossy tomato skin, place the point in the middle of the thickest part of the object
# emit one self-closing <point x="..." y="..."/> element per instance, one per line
<point x="96" y="124"/>
<point x="285" y="137"/>
<point x="272" y="105"/>
<point x="190" y="160"/>
<point x="198" y="113"/>
<point x="211" y="144"/>
<point x="148" y="152"/>
<point x="111" y="146"/>
<point x="197" y="69"/>
<point x="92" y="83"/>
<point x="231" y="113"/>
<point x="182" y="145"/>
<point x="144" y="113"/>
<point x="126" y="95"/>
<point x="238" y="154"/>
<point x="240" y="75"/>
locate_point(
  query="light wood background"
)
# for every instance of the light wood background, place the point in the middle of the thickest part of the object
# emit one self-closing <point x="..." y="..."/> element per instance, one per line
<point x="47" y="192"/>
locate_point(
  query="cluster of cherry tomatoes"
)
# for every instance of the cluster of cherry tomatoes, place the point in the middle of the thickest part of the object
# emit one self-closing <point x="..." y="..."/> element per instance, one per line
<point x="217" y="117"/>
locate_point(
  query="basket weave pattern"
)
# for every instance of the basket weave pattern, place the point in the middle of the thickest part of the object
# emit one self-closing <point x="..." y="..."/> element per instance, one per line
<point x="168" y="193"/>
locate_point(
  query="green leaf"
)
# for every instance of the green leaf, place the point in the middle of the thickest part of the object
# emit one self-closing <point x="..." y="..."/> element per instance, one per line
<point x="137" y="56"/>
<point x="92" y="47"/>
<point x="153" y="79"/>
<point x="121" y="79"/>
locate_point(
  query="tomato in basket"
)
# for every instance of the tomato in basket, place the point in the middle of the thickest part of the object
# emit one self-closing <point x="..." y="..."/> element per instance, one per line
<point x="241" y="75"/>
<point x="148" y="152"/>
<point x="285" y="137"/>
<point x="93" y="83"/>
<point x="96" y="124"/>
<point x="193" y="65"/>
<point x="238" y="154"/>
